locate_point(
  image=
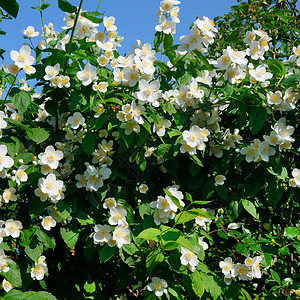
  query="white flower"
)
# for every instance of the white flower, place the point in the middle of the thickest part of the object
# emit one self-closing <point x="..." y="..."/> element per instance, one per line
<point x="226" y="265"/>
<point x="50" y="185"/>
<point x="242" y="271"/>
<point x="143" y="188"/>
<point x="160" y="128"/>
<point x="6" y="285"/>
<point x="203" y="221"/>
<point x="117" y="216"/>
<point x="22" y="58"/>
<point x="188" y="257"/>
<point x="76" y="120"/>
<point x="12" y="228"/>
<point x="219" y="179"/>
<point x="158" y="286"/>
<point x="102" y="234"/>
<point x="148" y="92"/>
<point x="51" y="72"/>
<point x="121" y="235"/>
<point x="260" y="74"/>
<point x="255" y="267"/>
<point x="3" y="123"/>
<point x="29" y="32"/>
<point x="20" y="175"/>
<point x="9" y="195"/>
<point x="274" y="98"/>
<point x="4" y="267"/>
<point x="48" y="222"/>
<point x="203" y="244"/>
<point x="38" y="271"/>
<point x="165" y="26"/>
<point x="296" y="175"/>
<point x="5" y="160"/>
<point x="87" y="75"/>
<point x="51" y="157"/>
<point x="108" y="23"/>
<point x="109" y="203"/>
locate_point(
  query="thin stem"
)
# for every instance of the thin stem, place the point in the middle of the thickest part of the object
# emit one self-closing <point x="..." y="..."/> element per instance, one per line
<point x="72" y="34"/>
<point x="98" y="6"/>
<point x="6" y="96"/>
<point x="44" y="30"/>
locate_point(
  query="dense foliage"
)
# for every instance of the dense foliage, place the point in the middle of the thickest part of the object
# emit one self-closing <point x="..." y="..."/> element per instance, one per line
<point x="171" y="172"/>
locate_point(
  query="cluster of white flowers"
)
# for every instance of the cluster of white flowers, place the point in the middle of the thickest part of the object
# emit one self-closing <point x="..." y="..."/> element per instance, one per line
<point x="247" y="271"/>
<point x="286" y="102"/>
<point x="39" y="270"/>
<point x="165" y="207"/>
<point x="92" y="178"/>
<point x="294" y="58"/>
<point x="281" y="136"/>
<point x="194" y="139"/>
<point x="121" y="234"/>
<point x="201" y="36"/>
<point x="103" y="154"/>
<point x="56" y="80"/>
<point x="167" y="9"/>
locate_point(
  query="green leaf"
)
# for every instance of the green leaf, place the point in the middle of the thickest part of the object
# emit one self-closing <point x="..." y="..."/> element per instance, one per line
<point x="70" y="234"/>
<point x="196" y="160"/>
<point x="38" y="135"/>
<point x="153" y="259"/>
<point x="250" y="208"/>
<point x="276" y="277"/>
<point x="88" y="143"/>
<point x="191" y="214"/>
<point x="89" y="287"/>
<point x="35" y="249"/>
<point x="36" y="207"/>
<point x="14" y="295"/>
<point x="20" y="99"/>
<point x="62" y="209"/>
<point x="273" y="193"/>
<point x="197" y="284"/>
<point x="10" y="6"/>
<point x="151" y="234"/>
<point x="222" y="191"/>
<point x="66" y="6"/>
<point x="291" y="232"/>
<point x="203" y="59"/>
<point x="38" y="296"/>
<point x="211" y="284"/>
<point x="291" y="80"/>
<point x="106" y="253"/>
<point x="276" y="67"/>
<point x="92" y="16"/>
<point x="13" y="275"/>
<point x="101" y="120"/>
<point x="158" y="38"/>
<point x="46" y="238"/>
<point x="168" y="41"/>
<point x="257" y="118"/>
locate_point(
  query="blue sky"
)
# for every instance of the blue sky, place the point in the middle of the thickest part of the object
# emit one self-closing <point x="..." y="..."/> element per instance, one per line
<point x="135" y="19"/>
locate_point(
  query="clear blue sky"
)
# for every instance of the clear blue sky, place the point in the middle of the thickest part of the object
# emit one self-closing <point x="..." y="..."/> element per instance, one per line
<point x="135" y="19"/>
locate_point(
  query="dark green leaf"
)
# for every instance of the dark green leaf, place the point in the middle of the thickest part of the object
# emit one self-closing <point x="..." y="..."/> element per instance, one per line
<point x="66" y="6"/>
<point x="88" y="142"/>
<point x="92" y="16"/>
<point x="10" y="6"/>
<point x="250" y="208"/>
<point x="106" y="253"/>
<point x="257" y="118"/>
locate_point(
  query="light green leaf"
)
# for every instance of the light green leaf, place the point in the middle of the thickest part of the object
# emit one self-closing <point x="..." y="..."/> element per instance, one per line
<point x="250" y="208"/>
<point x="150" y="234"/>
<point x="291" y="232"/>
<point x="70" y="234"/>
<point x="38" y="135"/>
<point x="13" y="275"/>
<point x="20" y="99"/>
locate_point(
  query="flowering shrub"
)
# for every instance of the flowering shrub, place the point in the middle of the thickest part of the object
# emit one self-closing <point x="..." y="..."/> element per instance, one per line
<point x="172" y="171"/>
